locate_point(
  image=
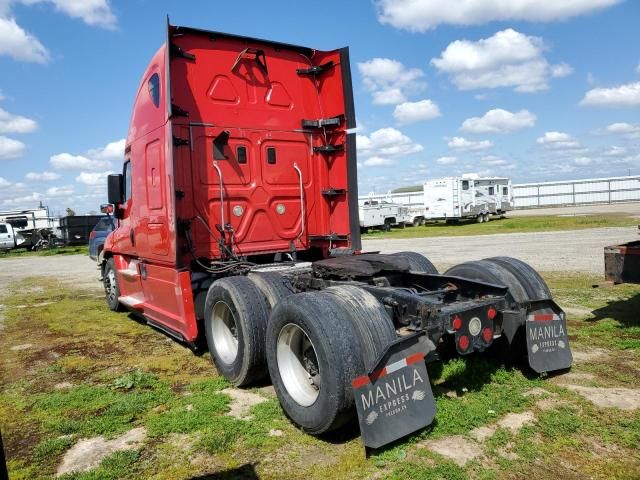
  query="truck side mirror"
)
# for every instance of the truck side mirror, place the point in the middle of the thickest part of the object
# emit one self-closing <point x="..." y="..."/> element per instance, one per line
<point x="106" y="208"/>
<point x="114" y="187"/>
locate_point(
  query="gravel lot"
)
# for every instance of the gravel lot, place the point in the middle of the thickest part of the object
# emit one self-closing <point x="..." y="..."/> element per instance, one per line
<point x="77" y="270"/>
<point x="573" y="251"/>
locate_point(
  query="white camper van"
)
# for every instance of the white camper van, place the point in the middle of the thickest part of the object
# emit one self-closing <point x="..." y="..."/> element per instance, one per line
<point x="466" y="197"/>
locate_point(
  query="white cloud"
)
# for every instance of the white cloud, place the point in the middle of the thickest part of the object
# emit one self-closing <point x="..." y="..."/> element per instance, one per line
<point x="622" y="96"/>
<point x="561" y="70"/>
<point x="4" y="182"/>
<point x="419" y="16"/>
<point x="446" y="160"/>
<point x="111" y="151"/>
<point x="63" y="191"/>
<point x="66" y="161"/>
<point x="463" y="145"/>
<point x="389" y="81"/>
<point x="386" y="142"/>
<point x="92" y="12"/>
<point x="10" y="148"/>
<point x="95" y="159"/>
<point x="93" y="179"/>
<point x="499" y="121"/>
<point x="506" y="59"/>
<point x="10" y="123"/>
<point x="629" y="130"/>
<point x="412" y="112"/>
<point x="379" y="162"/>
<point x="615" y="151"/>
<point x="558" y="141"/>
<point x="42" y="176"/>
<point x="19" y="44"/>
<point x="583" y="161"/>
<point x="494" y="160"/>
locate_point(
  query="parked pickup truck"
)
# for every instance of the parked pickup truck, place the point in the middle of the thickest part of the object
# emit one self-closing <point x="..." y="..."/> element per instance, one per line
<point x="9" y="238"/>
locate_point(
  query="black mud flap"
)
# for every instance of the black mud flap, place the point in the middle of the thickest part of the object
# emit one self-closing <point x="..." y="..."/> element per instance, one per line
<point x="395" y="399"/>
<point x="547" y="339"/>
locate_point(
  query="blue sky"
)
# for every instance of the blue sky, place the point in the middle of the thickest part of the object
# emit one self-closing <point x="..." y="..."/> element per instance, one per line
<point x="538" y="90"/>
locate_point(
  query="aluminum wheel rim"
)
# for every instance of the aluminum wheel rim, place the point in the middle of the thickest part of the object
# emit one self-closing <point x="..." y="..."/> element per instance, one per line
<point x="110" y="285"/>
<point x="298" y="365"/>
<point x="224" y="332"/>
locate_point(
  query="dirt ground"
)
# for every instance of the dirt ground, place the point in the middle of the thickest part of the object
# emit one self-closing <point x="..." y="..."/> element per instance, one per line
<point x="571" y="251"/>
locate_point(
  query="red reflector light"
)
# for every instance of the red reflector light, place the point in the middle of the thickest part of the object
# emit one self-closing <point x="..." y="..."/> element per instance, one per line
<point x="463" y="342"/>
<point x="457" y="323"/>
<point x="487" y="334"/>
<point x="547" y="317"/>
<point x="92" y="235"/>
<point x="492" y="313"/>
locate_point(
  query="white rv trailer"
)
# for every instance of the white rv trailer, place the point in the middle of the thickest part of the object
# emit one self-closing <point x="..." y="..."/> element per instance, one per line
<point x="381" y="214"/>
<point x="468" y="196"/>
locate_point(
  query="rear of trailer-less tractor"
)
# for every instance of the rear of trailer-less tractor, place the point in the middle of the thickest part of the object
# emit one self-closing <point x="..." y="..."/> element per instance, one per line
<point x="238" y="223"/>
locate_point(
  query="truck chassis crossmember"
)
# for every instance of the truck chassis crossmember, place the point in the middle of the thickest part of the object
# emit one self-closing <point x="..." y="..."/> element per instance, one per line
<point x="238" y="226"/>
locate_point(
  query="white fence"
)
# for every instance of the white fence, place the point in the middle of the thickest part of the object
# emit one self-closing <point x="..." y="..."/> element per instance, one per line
<point x="577" y="192"/>
<point x="547" y="194"/>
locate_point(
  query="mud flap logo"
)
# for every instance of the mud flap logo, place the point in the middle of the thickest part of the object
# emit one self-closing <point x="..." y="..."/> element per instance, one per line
<point x="547" y="342"/>
<point x="394" y="401"/>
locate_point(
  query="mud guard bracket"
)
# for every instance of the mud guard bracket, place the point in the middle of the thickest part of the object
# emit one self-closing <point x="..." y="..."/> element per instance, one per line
<point x="395" y="399"/>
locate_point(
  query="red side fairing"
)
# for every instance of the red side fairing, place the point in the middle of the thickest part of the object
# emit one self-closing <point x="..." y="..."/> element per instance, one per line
<point x="259" y="100"/>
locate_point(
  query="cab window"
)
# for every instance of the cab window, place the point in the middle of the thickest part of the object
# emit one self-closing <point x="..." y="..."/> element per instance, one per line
<point x="465" y="185"/>
<point x="3" y="229"/>
<point x="491" y="191"/>
<point x="154" y="89"/>
<point x="505" y="190"/>
<point x="127" y="181"/>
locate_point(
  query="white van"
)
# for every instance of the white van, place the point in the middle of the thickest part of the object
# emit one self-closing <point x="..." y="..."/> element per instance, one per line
<point x="7" y="237"/>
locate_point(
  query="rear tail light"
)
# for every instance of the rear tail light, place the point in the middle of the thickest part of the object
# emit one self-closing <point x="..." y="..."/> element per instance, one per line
<point x="456" y="323"/>
<point x="487" y="334"/>
<point x="463" y="342"/>
<point x="543" y="317"/>
<point x="492" y="313"/>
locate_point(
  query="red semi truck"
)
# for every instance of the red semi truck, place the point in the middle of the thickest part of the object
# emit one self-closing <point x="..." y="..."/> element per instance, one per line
<point x="237" y="213"/>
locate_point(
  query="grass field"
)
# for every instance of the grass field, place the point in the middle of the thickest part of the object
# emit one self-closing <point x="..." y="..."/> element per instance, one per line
<point x="509" y="225"/>
<point x="23" y="252"/>
<point x="73" y="370"/>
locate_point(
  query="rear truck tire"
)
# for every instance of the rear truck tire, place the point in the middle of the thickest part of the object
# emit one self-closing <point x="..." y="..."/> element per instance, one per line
<point x="369" y="318"/>
<point x="313" y="354"/>
<point x="272" y="285"/>
<point x="487" y="217"/>
<point x="386" y="227"/>
<point x="418" y="262"/>
<point x="235" y="323"/>
<point x="480" y="218"/>
<point x="111" y="287"/>
<point x="416" y="222"/>
<point x="536" y="288"/>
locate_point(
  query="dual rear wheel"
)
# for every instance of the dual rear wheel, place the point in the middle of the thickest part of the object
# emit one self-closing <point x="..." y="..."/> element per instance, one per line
<point x="312" y="344"/>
